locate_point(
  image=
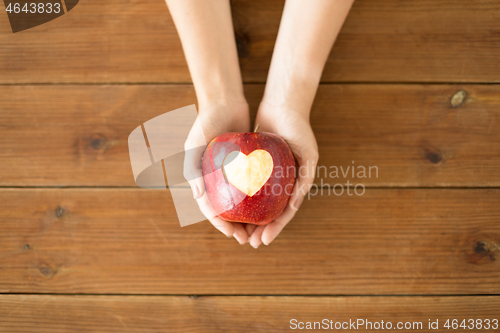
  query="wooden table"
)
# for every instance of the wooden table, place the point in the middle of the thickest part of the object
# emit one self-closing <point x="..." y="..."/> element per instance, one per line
<point x="410" y="87"/>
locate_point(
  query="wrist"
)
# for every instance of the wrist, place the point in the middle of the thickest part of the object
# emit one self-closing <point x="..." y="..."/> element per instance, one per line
<point x="288" y="101"/>
<point x="291" y="90"/>
<point x="219" y="90"/>
<point x="230" y="111"/>
<point x="276" y="116"/>
<point x="222" y="96"/>
<point x="234" y="103"/>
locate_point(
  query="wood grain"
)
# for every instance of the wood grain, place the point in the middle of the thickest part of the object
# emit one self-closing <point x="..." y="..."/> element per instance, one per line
<point x="26" y="313"/>
<point x="136" y="41"/>
<point x="76" y="135"/>
<point x="128" y="241"/>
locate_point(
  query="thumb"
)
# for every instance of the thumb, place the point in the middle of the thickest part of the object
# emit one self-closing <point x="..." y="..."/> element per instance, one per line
<point x="196" y="182"/>
<point x="305" y="180"/>
<point x="194" y="148"/>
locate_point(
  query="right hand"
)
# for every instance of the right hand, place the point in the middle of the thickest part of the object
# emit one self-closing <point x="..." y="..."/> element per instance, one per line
<point x="294" y="127"/>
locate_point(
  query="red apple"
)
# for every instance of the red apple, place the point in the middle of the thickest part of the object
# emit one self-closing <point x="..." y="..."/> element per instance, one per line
<point x="249" y="177"/>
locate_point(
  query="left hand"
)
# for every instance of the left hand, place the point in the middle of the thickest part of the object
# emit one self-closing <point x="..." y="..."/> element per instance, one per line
<point x="294" y="127"/>
<point x="215" y="118"/>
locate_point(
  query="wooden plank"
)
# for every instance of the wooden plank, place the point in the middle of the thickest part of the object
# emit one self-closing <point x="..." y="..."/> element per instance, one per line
<point x="128" y="241"/>
<point x="136" y="41"/>
<point x="75" y="135"/>
<point x="26" y="313"/>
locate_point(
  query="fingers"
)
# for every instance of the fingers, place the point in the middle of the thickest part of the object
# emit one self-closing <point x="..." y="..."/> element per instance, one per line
<point x="274" y="228"/>
<point x="255" y="239"/>
<point x="240" y="233"/>
<point x="299" y="192"/>
<point x="198" y="187"/>
<point x="194" y="147"/>
<point x="305" y="178"/>
<point x="225" y="227"/>
<point x="250" y="228"/>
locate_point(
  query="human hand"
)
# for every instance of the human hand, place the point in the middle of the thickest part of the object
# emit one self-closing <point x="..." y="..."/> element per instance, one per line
<point x="306" y="34"/>
<point x="294" y="127"/>
<point x="214" y="119"/>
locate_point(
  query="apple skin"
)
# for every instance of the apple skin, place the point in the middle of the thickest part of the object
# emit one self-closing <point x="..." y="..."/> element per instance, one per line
<point x="263" y="207"/>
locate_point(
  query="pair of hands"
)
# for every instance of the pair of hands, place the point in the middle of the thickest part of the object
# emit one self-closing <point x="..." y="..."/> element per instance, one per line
<point x="233" y="116"/>
<point x="306" y="35"/>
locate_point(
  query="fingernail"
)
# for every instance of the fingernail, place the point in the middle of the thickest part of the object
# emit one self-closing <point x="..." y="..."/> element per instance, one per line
<point x="224" y="232"/>
<point x="240" y="241"/>
<point x="196" y="192"/>
<point x="268" y="242"/>
<point x="297" y="203"/>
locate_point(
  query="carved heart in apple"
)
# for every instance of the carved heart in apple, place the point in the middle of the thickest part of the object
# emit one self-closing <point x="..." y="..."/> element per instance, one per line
<point x="248" y="173"/>
<point x="248" y="176"/>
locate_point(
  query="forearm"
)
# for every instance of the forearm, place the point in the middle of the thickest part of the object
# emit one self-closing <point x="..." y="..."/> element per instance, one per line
<point x="206" y="32"/>
<point x="307" y="32"/>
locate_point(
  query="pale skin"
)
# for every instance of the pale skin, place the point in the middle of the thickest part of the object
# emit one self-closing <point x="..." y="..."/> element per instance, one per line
<point x="307" y="32"/>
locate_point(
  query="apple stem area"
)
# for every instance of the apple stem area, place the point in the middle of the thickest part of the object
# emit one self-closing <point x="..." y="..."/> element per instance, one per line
<point x="256" y="128"/>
